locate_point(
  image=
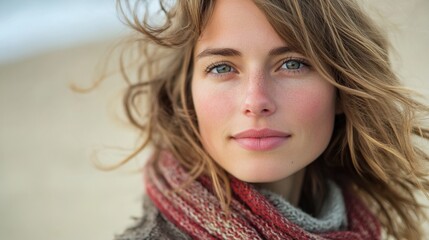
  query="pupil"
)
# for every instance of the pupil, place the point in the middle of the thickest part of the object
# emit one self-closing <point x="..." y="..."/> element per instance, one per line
<point x="223" y="69"/>
<point x="292" y="65"/>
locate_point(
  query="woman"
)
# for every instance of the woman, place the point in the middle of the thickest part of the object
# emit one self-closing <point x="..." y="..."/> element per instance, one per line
<point x="274" y="120"/>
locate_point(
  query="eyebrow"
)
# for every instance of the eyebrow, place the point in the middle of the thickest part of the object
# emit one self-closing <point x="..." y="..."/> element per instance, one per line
<point x="280" y="50"/>
<point x="226" y="52"/>
<point x="230" y="52"/>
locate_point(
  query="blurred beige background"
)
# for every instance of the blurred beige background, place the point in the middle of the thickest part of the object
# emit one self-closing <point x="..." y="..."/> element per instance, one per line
<point x="48" y="187"/>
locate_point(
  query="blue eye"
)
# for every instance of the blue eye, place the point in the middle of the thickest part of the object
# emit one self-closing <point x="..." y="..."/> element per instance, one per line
<point x="221" y="68"/>
<point x="293" y="65"/>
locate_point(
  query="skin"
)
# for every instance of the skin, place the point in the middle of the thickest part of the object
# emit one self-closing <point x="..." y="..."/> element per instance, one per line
<point x="245" y="77"/>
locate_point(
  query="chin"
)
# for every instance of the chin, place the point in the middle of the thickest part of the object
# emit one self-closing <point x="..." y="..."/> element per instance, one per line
<point x="267" y="179"/>
<point x="261" y="175"/>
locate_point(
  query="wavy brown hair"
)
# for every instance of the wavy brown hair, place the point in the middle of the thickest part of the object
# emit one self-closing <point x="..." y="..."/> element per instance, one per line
<point x="373" y="150"/>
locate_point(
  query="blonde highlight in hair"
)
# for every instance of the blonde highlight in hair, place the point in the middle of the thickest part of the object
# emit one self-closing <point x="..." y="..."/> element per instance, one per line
<point x="373" y="149"/>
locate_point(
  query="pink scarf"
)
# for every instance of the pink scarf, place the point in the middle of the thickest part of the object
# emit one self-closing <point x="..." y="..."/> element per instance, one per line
<point x="196" y="211"/>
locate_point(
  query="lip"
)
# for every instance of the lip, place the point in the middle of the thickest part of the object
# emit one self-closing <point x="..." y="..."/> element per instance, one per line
<point x="260" y="140"/>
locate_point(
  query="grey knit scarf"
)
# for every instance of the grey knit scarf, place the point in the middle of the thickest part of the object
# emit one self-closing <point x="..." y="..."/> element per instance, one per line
<point x="331" y="217"/>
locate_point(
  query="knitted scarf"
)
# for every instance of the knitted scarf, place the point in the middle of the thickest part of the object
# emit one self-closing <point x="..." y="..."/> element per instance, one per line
<point x="196" y="211"/>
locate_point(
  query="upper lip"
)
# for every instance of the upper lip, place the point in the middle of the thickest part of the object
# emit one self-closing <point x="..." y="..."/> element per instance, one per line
<point x="261" y="133"/>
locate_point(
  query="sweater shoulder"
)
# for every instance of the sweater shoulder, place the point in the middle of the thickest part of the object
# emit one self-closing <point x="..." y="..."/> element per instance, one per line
<point x="152" y="225"/>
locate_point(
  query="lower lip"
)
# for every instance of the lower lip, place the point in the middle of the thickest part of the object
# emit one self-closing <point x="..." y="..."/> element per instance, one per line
<point x="260" y="144"/>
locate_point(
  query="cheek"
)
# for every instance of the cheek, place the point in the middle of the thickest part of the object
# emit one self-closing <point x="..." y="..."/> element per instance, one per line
<point x="315" y="106"/>
<point x="212" y="106"/>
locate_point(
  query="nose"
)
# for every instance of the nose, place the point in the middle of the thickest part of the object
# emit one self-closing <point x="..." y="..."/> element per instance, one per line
<point x="258" y="99"/>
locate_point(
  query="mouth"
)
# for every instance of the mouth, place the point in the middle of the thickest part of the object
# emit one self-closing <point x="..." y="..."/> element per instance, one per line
<point x="260" y="140"/>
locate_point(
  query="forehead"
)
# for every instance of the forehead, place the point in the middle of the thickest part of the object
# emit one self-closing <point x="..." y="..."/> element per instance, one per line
<point x="237" y="24"/>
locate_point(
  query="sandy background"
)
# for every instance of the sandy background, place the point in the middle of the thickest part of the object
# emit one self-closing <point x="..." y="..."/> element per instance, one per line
<point x="48" y="187"/>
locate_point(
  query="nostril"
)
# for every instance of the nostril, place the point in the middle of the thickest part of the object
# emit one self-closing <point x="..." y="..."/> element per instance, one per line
<point x="258" y="104"/>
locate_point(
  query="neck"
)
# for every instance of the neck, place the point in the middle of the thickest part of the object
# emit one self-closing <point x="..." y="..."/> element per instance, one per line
<point x="289" y="188"/>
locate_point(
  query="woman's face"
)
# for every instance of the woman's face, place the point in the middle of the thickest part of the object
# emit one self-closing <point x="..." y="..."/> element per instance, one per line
<point x="263" y="112"/>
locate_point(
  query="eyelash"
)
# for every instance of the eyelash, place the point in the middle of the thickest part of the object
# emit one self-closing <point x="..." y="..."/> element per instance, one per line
<point x="212" y="66"/>
<point x="302" y="61"/>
